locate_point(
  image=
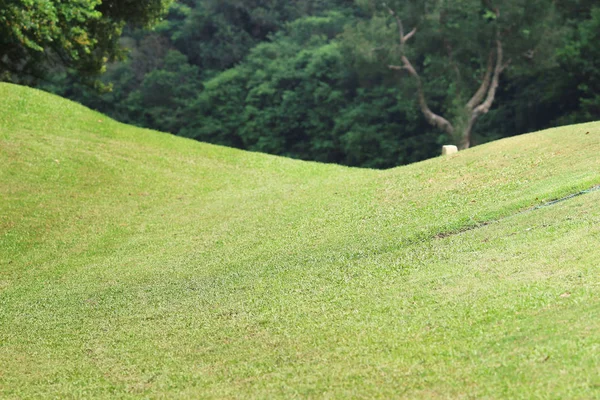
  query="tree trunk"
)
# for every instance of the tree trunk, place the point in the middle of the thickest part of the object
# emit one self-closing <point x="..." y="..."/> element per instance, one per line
<point x="490" y="85"/>
<point x="479" y="104"/>
<point x="465" y="139"/>
<point x="434" y="119"/>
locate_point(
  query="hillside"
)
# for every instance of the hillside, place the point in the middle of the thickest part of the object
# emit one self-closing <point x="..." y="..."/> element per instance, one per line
<point x="137" y="264"/>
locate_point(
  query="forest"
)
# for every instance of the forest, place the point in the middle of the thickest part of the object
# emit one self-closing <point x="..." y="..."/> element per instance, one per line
<point x="361" y="83"/>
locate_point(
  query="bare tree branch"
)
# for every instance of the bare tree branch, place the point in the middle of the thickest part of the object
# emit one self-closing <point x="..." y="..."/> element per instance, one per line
<point x="431" y="117"/>
<point x="489" y="86"/>
<point x="485" y="84"/>
<point x="403" y="38"/>
<point x="484" y="107"/>
<point x="410" y="34"/>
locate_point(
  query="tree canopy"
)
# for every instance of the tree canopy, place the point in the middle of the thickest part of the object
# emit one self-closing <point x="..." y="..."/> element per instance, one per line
<point x="82" y="35"/>
<point x="365" y="83"/>
<point x="457" y="51"/>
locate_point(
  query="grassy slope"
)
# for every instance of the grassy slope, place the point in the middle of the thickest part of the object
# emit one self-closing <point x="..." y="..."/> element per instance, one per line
<point x="138" y="264"/>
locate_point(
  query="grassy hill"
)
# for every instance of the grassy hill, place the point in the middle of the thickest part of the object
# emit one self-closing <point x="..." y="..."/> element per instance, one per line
<point x="138" y="264"/>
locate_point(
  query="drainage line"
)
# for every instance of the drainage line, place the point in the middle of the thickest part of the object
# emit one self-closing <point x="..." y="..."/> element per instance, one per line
<point x="550" y="203"/>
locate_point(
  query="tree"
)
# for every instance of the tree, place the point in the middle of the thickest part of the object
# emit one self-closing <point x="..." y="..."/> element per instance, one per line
<point x="276" y="76"/>
<point x="218" y="34"/>
<point x="579" y="58"/>
<point x="82" y="35"/>
<point x="274" y="100"/>
<point x="456" y="52"/>
<point x="297" y="96"/>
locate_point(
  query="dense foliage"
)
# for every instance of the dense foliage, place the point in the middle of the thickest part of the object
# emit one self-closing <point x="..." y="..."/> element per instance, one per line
<point x="326" y="79"/>
<point x="82" y="35"/>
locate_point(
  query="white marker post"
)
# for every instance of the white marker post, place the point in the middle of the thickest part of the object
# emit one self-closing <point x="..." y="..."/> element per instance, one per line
<point x="449" y="149"/>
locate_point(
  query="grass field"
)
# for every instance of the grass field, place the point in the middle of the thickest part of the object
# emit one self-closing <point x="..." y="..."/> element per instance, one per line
<point x="135" y="264"/>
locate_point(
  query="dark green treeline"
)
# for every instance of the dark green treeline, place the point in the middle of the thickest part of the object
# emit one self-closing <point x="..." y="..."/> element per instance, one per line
<point x="311" y="79"/>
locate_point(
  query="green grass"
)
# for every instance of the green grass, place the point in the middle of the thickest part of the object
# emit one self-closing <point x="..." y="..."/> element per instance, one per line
<point x="135" y="264"/>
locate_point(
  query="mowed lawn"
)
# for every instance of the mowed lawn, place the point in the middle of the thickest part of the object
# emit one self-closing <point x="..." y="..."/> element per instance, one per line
<point x="135" y="264"/>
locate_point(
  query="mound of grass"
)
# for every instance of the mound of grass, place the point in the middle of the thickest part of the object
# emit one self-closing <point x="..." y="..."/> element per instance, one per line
<point x="138" y="264"/>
